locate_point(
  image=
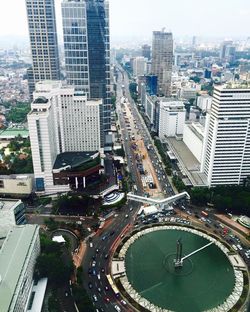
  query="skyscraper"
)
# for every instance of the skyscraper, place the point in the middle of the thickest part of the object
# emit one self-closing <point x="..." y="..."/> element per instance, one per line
<point x="226" y="147"/>
<point x="43" y="42"/>
<point x="76" y="44"/>
<point x="162" y="60"/>
<point x="87" y="51"/>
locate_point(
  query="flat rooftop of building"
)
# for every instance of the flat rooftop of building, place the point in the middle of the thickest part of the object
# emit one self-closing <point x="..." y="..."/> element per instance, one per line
<point x="189" y="164"/>
<point x="11" y="133"/>
<point x="12" y="258"/>
<point x="8" y="204"/>
<point x="73" y="159"/>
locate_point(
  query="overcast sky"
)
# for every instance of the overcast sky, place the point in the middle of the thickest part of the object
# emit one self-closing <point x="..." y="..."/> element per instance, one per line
<point x="129" y="18"/>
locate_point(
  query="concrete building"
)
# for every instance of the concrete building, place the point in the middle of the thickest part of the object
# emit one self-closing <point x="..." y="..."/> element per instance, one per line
<point x="193" y="136"/>
<point x="87" y="52"/>
<point x="146" y="51"/>
<point x="16" y="184"/>
<point x="60" y="121"/>
<point x="18" y="256"/>
<point x="139" y="66"/>
<point x="171" y="118"/>
<point x="43" y="42"/>
<point x="204" y="102"/>
<point x="162" y="60"/>
<point x="226" y="151"/>
<point x="188" y="92"/>
<point x="11" y="214"/>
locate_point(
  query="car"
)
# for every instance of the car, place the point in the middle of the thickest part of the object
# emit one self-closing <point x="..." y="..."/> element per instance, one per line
<point x="93" y="264"/>
<point x="106" y="288"/>
<point x="99" y="276"/>
<point x="97" y="250"/>
<point x="93" y="272"/>
<point x="90" y="285"/>
<point x="123" y="302"/>
<point x="107" y="299"/>
<point x="118" y="309"/>
<point x="102" y="270"/>
<point x="130" y="209"/>
<point x="90" y="270"/>
<point x="112" y="233"/>
<point x="239" y="247"/>
<point x="93" y="257"/>
<point x="106" y="256"/>
<point x="99" y="289"/>
<point x="104" y="237"/>
<point x="126" y="216"/>
<point x="94" y="298"/>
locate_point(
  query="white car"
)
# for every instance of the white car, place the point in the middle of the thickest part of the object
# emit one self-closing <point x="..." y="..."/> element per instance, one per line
<point x="117" y="308"/>
<point x="94" y="298"/>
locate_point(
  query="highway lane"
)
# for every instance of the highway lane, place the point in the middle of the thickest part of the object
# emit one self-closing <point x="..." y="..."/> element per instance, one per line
<point x="95" y="273"/>
<point x="144" y="132"/>
<point x="101" y="248"/>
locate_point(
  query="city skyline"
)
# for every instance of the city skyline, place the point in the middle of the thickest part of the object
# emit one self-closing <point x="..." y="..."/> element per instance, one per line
<point x="191" y="19"/>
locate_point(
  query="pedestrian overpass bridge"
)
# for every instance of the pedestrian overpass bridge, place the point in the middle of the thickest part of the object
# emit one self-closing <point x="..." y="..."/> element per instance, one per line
<point x="158" y="202"/>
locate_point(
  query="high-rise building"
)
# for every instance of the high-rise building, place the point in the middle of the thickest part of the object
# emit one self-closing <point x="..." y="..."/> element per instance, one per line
<point x="171" y="118"/>
<point x="226" y="148"/>
<point x="146" y="51"/>
<point x="43" y="42"/>
<point x="162" y="60"/>
<point x="151" y="84"/>
<point x="139" y="66"/>
<point x="225" y="48"/>
<point x="87" y="52"/>
<point x="76" y="44"/>
<point x="61" y="120"/>
<point x="18" y="255"/>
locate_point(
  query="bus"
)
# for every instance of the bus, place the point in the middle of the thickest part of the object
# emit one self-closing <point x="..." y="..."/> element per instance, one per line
<point x="112" y="285"/>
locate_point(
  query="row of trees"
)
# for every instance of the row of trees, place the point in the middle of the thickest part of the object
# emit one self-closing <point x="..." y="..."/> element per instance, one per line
<point x="164" y="158"/>
<point x="235" y="199"/>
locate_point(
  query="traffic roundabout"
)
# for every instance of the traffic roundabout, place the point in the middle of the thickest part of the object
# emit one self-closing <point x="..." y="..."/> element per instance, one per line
<point x="178" y="268"/>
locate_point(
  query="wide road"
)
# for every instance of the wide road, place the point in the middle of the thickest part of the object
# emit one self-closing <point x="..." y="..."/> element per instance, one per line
<point x="99" y="254"/>
<point x="97" y="258"/>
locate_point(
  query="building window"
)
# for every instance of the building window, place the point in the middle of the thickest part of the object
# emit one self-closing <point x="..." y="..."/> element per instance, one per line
<point x="1" y="184"/>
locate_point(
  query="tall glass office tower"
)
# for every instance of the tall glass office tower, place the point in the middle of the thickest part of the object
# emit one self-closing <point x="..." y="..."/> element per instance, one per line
<point x="87" y="51"/>
<point x="43" y="42"/>
<point x="76" y="44"/>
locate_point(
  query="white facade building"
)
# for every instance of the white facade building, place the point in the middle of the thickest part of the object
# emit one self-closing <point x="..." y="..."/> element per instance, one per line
<point x="60" y="121"/>
<point x="226" y="152"/>
<point x="193" y="135"/>
<point x="171" y="118"/>
<point x="204" y="102"/>
<point x="139" y="66"/>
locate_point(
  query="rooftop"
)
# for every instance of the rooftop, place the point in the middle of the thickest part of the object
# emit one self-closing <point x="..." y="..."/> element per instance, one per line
<point x="12" y="133"/>
<point x="12" y="258"/>
<point x="70" y="160"/>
